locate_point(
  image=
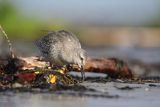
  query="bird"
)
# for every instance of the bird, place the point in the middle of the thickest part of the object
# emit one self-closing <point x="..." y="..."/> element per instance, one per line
<point x="62" y="48"/>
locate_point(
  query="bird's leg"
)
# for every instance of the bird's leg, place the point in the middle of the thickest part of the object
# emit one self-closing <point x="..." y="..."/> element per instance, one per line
<point x="51" y="65"/>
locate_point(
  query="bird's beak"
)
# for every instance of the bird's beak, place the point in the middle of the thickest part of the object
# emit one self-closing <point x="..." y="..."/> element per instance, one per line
<point x="82" y="73"/>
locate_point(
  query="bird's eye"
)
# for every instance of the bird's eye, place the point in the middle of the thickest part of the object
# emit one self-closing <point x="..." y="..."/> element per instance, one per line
<point x="81" y="58"/>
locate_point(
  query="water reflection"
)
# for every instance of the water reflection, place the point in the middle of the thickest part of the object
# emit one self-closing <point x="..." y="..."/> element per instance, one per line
<point x="40" y="100"/>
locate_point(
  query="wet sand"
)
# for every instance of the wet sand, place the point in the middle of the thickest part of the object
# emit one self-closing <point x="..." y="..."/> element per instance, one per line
<point x="112" y="94"/>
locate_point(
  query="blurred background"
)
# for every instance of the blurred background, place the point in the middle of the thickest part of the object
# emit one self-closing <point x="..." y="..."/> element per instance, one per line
<point x="127" y="29"/>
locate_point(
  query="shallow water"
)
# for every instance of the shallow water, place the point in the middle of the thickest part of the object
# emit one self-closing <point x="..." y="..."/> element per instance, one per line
<point x="141" y="95"/>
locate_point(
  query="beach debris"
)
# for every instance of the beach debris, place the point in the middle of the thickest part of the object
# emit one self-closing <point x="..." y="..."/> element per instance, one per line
<point x="33" y="71"/>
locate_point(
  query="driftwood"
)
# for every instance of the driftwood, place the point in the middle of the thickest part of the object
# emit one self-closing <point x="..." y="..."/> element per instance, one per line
<point x="115" y="68"/>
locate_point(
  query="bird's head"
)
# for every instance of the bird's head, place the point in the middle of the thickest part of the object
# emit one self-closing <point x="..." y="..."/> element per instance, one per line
<point x="81" y="57"/>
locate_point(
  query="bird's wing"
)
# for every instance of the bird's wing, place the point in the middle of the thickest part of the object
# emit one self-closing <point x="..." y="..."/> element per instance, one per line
<point x="44" y="43"/>
<point x="68" y="38"/>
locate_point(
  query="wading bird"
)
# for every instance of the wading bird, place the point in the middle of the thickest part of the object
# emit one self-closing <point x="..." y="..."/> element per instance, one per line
<point x="62" y="48"/>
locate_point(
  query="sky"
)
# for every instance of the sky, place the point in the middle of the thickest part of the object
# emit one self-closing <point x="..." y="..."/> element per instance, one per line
<point x="104" y="12"/>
